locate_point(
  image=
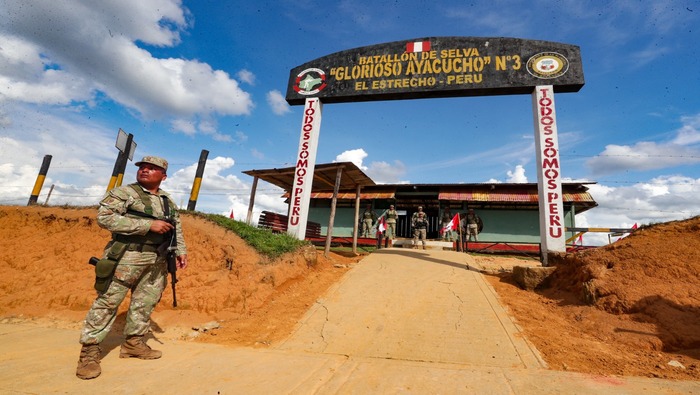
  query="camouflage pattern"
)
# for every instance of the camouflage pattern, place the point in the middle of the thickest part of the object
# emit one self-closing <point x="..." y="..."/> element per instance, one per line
<point x="420" y="228"/>
<point x="145" y="273"/>
<point x="112" y="216"/>
<point x="391" y="216"/>
<point x="147" y="282"/>
<point x="154" y="160"/>
<point x="472" y="228"/>
<point x="368" y="218"/>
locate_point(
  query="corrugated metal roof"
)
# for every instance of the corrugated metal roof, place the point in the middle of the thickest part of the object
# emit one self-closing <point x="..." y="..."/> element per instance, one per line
<point x="324" y="176"/>
<point x="351" y="195"/>
<point x="510" y="196"/>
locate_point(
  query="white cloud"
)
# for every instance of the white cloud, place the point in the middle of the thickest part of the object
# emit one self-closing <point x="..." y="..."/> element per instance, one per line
<point x="356" y="156"/>
<point x="221" y="193"/>
<point x="246" y="76"/>
<point x="661" y="199"/>
<point x="517" y="175"/>
<point x="689" y="133"/>
<point x="648" y="155"/>
<point x="386" y="173"/>
<point x="184" y="126"/>
<point x="45" y="56"/>
<point x="257" y="154"/>
<point x="276" y="101"/>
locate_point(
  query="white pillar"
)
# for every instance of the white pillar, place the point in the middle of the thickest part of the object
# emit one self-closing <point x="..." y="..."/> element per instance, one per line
<point x="552" y="225"/>
<point x="304" y="172"/>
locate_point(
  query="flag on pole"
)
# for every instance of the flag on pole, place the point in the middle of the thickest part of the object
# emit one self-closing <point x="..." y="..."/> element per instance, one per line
<point x="231" y="215"/>
<point x="381" y="226"/>
<point x="418" y="46"/>
<point x="634" y="226"/>
<point x="452" y="225"/>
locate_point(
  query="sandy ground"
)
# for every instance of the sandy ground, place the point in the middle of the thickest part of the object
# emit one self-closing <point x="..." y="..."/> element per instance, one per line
<point x="631" y="308"/>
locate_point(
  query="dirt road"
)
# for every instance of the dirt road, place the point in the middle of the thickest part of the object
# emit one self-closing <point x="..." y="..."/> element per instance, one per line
<point x="399" y="321"/>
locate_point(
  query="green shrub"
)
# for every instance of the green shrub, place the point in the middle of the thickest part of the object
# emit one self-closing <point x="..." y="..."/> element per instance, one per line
<point x="271" y="245"/>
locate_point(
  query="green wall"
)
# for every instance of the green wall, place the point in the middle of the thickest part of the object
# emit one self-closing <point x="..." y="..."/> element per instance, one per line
<point x="500" y="225"/>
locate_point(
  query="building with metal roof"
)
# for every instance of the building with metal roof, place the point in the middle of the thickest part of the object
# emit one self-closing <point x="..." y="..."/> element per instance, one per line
<point x="510" y="211"/>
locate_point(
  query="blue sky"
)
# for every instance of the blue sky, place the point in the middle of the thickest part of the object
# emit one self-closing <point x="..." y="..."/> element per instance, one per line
<point x="183" y="76"/>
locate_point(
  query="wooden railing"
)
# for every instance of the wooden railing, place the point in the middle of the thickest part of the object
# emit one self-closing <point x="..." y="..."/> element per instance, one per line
<point x="277" y="223"/>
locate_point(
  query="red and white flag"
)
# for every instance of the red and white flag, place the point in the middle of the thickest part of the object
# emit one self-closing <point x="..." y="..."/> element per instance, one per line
<point x="418" y="46"/>
<point x="231" y="215"/>
<point x="452" y="225"/>
<point x="381" y="226"/>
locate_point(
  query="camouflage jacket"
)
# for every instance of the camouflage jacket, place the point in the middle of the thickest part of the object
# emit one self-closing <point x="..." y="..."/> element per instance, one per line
<point x="112" y="215"/>
<point x="391" y="216"/>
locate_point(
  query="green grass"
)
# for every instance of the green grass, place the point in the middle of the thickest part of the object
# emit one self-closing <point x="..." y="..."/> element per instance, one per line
<point x="271" y="245"/>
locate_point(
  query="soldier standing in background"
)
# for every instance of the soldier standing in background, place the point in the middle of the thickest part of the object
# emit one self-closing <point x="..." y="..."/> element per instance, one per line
<point x="446" y="218"/>
<point x="391" y="217"/>
<point x="419" y="222"/>
<point x="472" y="225"/>
<point x="137" y="264"/>
<point x="368" y="219"/>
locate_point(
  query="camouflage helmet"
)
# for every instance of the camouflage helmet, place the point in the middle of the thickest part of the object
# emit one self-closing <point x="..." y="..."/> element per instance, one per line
<point x="154" y="160"/>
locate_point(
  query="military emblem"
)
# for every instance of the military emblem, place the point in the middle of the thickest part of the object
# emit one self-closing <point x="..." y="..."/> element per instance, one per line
<point x="547" y="65"/>
<point x="310" y="81"/>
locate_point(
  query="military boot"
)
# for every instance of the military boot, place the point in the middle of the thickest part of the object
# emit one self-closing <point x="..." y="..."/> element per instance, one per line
<point x="135" y="347"/>
<point x="89" y="362"/>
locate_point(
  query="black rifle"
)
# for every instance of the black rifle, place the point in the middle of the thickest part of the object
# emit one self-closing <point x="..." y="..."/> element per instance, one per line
<point x="171" y="252"/>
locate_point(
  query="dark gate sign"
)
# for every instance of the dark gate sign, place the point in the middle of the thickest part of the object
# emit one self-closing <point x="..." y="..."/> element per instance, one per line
<point x="438" y="67"/>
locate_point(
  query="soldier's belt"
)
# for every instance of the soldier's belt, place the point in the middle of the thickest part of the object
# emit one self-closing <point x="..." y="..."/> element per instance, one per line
<point x="142" y="247"/>
<point x="150" y="238"/>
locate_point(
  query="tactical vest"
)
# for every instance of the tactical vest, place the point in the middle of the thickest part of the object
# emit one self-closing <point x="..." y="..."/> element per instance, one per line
<point x="150" y="239"/>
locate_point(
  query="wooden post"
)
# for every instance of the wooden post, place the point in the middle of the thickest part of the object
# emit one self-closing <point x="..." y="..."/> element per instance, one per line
<point x="329" y="234"/>
<point x="357" y="219"/>
<point x="249" y="217"/>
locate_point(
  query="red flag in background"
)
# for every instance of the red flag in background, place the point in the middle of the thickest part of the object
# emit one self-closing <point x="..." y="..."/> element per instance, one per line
<point x="452" y="225"/>
<point x="231" y="215"/>
<point x="580" y="239"/>
<point x="634" y="226"/>
<point x="381" y="226"/>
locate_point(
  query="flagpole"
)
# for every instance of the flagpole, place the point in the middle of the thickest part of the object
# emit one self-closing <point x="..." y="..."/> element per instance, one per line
<point x="459" y="227"/>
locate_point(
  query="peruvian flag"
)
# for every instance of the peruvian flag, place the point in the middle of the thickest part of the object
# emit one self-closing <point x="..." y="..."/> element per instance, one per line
<point x="452" y="225"/>
<point x="381" y="226"/>
<point x="231" y="215"/>
<point x="418" y="46"/>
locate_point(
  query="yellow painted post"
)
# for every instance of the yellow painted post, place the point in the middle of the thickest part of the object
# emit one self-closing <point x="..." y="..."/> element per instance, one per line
<point x="197" y="180"/>
<point x="40" y="180"/>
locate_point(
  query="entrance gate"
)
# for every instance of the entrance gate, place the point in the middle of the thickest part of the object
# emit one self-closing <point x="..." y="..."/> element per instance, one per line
<point x="438" y="67"/>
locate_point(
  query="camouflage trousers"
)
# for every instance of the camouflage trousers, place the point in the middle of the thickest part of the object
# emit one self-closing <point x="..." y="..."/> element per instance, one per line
<point x="366" y="227"/>
<point x="419" y="233"/>
<point x="391" y="230"/>
<point x="473" y="230"/>
<point x="146" y="283"/>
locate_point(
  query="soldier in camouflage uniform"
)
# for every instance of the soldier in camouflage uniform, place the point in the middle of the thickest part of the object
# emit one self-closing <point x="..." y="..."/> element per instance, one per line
<point x="391" y="216"/>
<point x="368" y="219"/>
<point x="419" y="223"/>
<point x="141" y="269"/>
